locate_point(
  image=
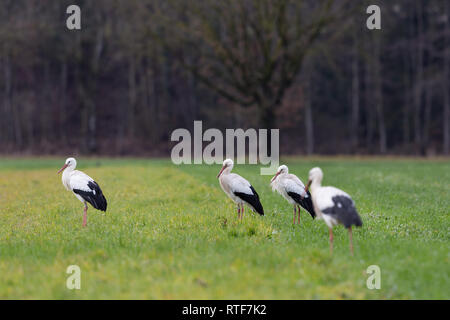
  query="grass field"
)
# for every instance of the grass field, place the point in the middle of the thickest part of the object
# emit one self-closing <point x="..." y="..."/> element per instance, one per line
<point x="171" y="233"/>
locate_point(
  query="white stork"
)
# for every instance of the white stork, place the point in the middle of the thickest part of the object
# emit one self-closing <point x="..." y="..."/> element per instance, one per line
<point x="83" y="187"/>
<point x="293" y="190"/>
<point x="238" y="189"/>
<point x="332" y="205"/>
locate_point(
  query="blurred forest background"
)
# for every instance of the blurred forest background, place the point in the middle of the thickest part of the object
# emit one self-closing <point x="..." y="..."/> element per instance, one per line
<point x="137" y="70"/>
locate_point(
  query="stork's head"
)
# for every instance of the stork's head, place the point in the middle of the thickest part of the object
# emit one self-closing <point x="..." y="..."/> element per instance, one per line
<point x="70" y="163"/>
<point x="226" y="166"/>
<point x="315" y="177"/>
<point x="283" y="169"/>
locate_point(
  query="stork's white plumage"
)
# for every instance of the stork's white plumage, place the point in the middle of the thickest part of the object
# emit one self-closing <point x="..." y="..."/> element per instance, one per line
<point x="332" y="205"/>
<point x="238" y="189"/>
<point x="83" y="187"/>
<point x="293" y="190"/>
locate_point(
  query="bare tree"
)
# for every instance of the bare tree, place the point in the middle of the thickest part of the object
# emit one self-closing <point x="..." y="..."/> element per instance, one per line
<point x="378" y="95"/>
<point x="114" y="84"/>
<point x="251" y="51"/>
<point x="419" y="65"/>
<point x="309" y="123"/>
<point x="445" y="83"/>
<point x="355" y="93"/>
<point x="369" y="100"/>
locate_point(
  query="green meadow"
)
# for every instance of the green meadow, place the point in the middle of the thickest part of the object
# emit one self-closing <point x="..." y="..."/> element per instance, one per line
<point x="171" y="233"/>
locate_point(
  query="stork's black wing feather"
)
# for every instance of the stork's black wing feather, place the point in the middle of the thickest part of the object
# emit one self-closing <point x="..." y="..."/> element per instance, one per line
<point x="306" y="203"/>
<point x="252" y="199"/>
<point x="95" y="196"/>
<point x="344" y="211"/>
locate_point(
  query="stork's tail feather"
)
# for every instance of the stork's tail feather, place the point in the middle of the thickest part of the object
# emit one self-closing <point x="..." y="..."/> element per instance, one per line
<point x="308" y="205"/>
<point x="356" y="220"/>
<point x="258" y="208"/>
<point x="343" y="209"/>
<point x="101" y="203"/>
<point x="252" y="200"/>
<point x="256" y="203"/>
<point x="95" y="197"/>
<point x="305" y="203"/>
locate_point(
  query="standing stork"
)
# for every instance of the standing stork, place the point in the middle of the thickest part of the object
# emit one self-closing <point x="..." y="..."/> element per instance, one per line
<point x="332" y="205"/>
<point x="83" y="187"/>
<point x="293" y="190"/>
<point x="238" y="189"/>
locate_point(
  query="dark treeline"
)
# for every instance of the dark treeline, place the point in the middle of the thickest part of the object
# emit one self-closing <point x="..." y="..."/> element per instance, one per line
<point x="137" y="70"/>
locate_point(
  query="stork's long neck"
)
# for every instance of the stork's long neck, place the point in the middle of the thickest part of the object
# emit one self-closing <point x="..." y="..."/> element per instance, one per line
<point x="66" y="177"/>
<point x="315" y="184"/>
<point x="275" y="182"/>
<point x="224" y="183"/>
<point x="227" y="170"/>
<point x="278" y="179"/>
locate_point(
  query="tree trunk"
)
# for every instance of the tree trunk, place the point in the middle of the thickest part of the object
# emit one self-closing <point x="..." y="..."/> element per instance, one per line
<point x="87" y="77"/>
<point x="268" y="122"/>
<point x="192" y="97"/>
<point x="446" y="115"/>
<point x="14" y="122"/>
<point x="7" y="98"/>
<point x="355" y="97"/>
<point x="62" y="104"/>
<point x="379" y="96"/>
<point x="132" y="96"/>
<point x="446" y="85"/>
<point x="309" y="125"/>
<point x="91" y="106"/>
<point x="158" y="117"/>
<point x="418" y="87"/>
<point x="426" y="122"/>
<point x="406" y="99"/>
<point x="368" y="97"/>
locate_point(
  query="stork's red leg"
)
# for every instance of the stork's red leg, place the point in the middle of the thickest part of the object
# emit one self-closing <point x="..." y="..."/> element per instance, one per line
<point x="295" y="213"/>
<point x="242" y="210"/>
<point x="331" y="240"/>
<point x="239" y="211"/>
<point x="298" y="214"/>
<point x="351" y="239"/>
<point x="85" y="215"/>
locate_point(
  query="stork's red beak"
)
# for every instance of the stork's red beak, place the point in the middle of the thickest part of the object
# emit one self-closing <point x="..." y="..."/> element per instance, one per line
<point x="275" y="176"/>
<point x="308" y="185"/>
<point x="62" y="169"/>
<point x="221" y="170"/>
